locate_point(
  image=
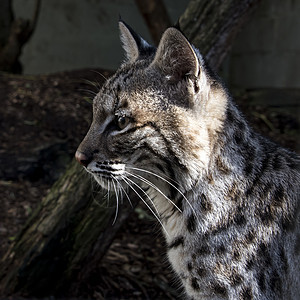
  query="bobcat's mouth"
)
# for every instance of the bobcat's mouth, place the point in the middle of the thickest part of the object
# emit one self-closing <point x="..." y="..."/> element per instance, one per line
<point x="106" y="171"/>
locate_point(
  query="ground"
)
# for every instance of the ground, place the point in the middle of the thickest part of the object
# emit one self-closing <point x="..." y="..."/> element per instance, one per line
<point x="44" y="118"/>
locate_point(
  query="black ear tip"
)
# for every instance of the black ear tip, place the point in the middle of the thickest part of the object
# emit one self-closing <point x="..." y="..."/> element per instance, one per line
<point x="127" y="26"/>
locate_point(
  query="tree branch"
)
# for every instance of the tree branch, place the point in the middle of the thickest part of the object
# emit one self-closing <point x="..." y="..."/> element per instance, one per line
<point x="212" y="25"/>
<point x="156" y="17"/>
<point x="20" y="31"/>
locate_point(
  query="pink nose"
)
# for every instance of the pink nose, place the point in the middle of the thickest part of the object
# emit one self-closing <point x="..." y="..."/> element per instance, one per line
<point x="82" y="158"/>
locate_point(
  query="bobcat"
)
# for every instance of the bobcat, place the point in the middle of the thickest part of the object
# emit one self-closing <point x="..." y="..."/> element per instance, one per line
<point x="228" y="199"/>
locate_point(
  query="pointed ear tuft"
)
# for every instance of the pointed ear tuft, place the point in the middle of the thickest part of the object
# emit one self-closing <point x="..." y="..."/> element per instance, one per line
<point x="135" y="46"/>
<point x="175" y="56"/>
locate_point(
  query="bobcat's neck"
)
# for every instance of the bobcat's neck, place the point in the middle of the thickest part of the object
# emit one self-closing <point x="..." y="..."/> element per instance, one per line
<point x="230" y="148"/>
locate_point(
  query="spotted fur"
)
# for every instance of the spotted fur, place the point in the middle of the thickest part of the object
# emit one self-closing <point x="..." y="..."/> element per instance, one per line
<point x="228" y="199"/>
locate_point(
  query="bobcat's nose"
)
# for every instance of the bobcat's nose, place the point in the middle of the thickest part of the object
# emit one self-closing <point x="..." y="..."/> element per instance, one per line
<point x="82" y="158"/>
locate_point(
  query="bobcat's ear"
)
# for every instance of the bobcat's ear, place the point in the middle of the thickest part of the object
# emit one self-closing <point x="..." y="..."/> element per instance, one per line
<point x="134" y="45"/>
<point x="175" y="56"/>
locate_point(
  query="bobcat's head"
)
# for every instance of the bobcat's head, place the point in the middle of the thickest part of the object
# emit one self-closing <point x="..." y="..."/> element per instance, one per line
<point x="155" y="120"/>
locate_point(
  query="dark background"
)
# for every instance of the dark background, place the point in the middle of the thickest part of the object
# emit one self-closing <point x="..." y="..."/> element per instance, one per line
<point x="45" y="113"/>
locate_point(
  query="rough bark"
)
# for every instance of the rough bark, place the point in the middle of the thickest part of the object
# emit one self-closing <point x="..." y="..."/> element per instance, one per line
<point x="212" y="25"/>
<point x="69" y="231"/>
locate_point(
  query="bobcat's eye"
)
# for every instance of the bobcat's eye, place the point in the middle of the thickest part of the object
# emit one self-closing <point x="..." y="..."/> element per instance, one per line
<point x="122" y="121"/>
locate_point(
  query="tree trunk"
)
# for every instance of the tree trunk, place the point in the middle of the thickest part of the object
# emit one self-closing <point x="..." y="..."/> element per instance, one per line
<point x="68" y="234"/>
<point x="14" y="34"/>
<point x="156" y="17"/>
<point x="212" y="25"/>
<point x="6" y="19"/>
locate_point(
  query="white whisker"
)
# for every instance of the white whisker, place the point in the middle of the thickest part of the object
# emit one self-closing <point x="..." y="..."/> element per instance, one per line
<point x="154" y="187"/>
<point x="126" y="179"/>
<point x="122" y="188"/>
<point x="96" y="85"/>
<point x="99" y="74"/>
<point x="88" y="91"/>
<point x="96" y="189"/>
<point x="164" y="176"/>
<point x="151" y="201"/>
<point x="167" y="181"/>
<point x="117" y="199"/>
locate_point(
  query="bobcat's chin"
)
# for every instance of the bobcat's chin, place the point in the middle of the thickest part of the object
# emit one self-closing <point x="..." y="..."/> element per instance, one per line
<point x="102" y="181"/>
